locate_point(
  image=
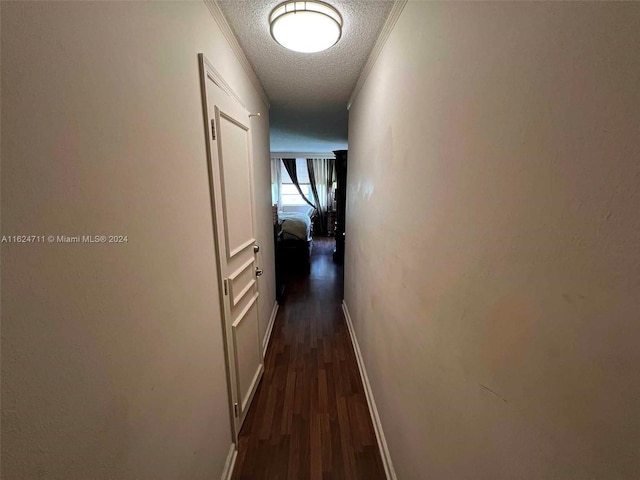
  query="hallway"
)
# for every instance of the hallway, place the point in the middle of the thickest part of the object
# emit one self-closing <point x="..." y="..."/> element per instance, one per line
<point x="309" y="418"/>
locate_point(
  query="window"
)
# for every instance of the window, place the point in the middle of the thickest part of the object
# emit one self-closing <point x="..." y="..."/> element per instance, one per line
<point x="290" y="195"/>
<point x="288" y="191"/>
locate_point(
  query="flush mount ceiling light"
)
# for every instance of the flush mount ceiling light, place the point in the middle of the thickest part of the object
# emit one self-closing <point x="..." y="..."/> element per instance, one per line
<point x="305" y="26"/>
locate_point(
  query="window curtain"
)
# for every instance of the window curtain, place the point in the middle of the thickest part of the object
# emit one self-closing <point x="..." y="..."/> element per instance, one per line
<point x="290" y="165"/>
<point x="276" y="181"/>
<point x="319" y="179"/>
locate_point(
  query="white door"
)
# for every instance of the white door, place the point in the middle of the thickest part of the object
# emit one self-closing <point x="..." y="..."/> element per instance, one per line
<point x="231" y="181"/>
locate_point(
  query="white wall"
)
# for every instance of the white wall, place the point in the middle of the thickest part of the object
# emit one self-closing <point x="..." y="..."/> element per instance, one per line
<point x="112" y="361"/>
<point x="515" y="127"/>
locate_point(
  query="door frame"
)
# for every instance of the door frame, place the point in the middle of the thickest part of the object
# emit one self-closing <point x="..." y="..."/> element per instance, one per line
<point x="208" y="72"/>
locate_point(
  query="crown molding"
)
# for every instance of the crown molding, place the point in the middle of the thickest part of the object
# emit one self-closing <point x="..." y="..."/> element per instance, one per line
<point x="394" y="14"/>
<point x="220" y="19"/>
<point x="303" y="155"/>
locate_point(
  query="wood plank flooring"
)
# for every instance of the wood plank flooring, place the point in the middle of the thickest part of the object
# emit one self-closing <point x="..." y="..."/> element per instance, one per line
<point x="309" y="418"/>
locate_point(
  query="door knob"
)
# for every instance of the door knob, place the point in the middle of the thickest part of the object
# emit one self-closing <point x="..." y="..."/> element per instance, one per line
<point x="256" y="248"/>
<point x="258" y="272"/>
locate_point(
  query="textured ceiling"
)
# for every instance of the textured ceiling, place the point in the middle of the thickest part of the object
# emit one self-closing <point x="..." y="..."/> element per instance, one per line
<point x="301" y="85"/>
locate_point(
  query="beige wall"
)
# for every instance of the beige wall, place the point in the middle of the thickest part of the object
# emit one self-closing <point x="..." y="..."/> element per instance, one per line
<point x="112" y="361"/>
<point x="493" y="235"/>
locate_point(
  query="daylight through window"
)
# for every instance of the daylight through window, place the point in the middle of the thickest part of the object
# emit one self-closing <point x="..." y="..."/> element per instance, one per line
<point x="289" y="193"/>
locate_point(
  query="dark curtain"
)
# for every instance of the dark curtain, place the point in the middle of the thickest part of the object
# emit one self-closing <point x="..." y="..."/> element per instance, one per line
<point x="322" y="219"/>
<point x="290" y="165"/>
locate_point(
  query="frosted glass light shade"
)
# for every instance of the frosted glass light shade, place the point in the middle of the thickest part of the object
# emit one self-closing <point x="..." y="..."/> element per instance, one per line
<point x="305" y="26"/>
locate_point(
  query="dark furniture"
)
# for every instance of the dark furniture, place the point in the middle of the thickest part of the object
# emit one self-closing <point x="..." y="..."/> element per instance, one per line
<point x="341" y="201"/>
<point x="331" y="222"/>
<point x="293" y="255"/>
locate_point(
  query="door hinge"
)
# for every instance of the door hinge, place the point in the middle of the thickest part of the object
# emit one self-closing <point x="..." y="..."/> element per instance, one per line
<point x="213" y="129"/>
<point x="235" y="409"/>
<point x="226" y="287"/>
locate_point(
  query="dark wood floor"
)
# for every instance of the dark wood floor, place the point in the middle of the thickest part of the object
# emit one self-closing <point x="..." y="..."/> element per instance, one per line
<point x="309" y="418"/>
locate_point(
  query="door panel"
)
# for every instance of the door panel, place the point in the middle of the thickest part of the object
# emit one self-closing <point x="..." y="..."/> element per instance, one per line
<point x="242" y="281"/>
<point x="231" y="181"/>
<point x="234" y="155"/>
<point x="245" y="340"/>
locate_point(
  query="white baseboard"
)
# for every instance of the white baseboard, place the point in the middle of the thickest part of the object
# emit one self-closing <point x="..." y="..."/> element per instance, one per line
<point x="227" y="473"/>
<point x="375" y="418"/>
<point x="267" y="335"/>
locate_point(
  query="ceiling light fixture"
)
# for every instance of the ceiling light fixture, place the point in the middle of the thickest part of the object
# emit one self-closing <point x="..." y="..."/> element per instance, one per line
<point x="305" y="26"/>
